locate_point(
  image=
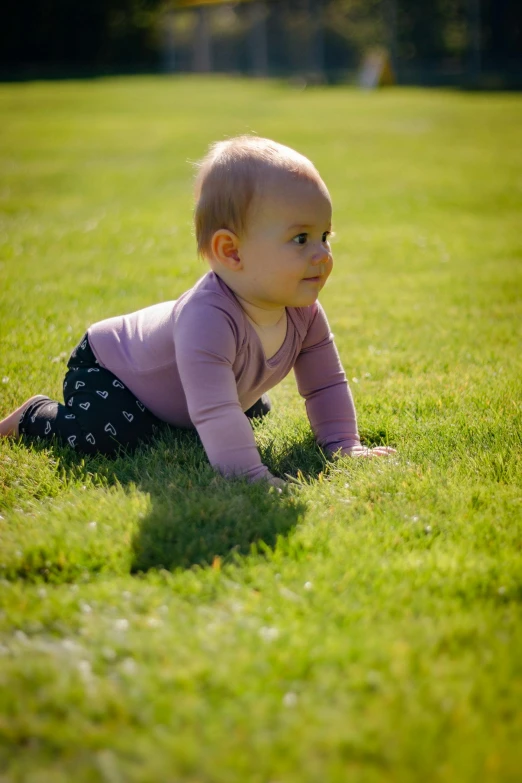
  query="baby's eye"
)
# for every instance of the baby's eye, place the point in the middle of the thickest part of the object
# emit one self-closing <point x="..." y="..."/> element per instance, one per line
<point x="300" y="239"/>
<point x="326" y="235"/>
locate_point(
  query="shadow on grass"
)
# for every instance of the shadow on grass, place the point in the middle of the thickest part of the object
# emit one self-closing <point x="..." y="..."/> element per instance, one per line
<point x="220" y="522"/>
<point x="195" y="515"/>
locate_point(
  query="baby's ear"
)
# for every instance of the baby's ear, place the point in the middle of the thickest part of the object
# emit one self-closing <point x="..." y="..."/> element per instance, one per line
<point x="225" y="248"/>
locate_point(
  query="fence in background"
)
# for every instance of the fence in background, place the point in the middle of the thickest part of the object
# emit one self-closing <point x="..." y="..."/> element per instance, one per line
<point x="474" y="42"/>
<point x="321" y="40"/>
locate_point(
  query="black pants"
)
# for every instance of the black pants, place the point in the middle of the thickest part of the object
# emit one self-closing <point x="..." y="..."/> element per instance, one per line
<point x="100" y="414"/>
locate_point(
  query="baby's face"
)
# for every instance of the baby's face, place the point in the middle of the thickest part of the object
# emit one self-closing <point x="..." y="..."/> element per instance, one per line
<point x="285" y="252"/>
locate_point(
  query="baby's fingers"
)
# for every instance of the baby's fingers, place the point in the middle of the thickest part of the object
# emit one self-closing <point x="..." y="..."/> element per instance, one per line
<point x="278" y="484"/>
<point x="378" y="451"/>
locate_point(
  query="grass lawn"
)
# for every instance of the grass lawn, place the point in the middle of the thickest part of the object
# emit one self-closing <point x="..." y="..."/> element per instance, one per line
<point x="158" y="624"/>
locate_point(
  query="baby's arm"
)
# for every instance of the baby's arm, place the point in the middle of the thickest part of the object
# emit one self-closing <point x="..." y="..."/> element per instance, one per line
<point x="206" y="346"/>
<point x="329" y="404"/>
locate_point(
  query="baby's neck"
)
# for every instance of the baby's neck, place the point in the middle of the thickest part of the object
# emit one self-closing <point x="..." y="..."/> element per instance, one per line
<point x="261" y="317"/>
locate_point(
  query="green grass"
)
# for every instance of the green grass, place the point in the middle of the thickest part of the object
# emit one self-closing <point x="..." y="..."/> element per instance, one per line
<point x="159" y="624"/>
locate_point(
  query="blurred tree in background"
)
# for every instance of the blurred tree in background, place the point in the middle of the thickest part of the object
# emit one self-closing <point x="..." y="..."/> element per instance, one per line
<point x="428" y="42"/>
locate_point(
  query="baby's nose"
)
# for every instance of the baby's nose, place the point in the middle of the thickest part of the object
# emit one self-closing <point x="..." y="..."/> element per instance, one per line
<point x="320" y="256"/>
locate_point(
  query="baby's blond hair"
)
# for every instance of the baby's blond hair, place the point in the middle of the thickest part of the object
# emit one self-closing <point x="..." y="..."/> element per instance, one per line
<point x="231" y="174"/>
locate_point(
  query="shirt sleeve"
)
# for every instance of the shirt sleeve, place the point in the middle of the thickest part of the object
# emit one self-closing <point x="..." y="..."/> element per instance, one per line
<point x="322" y="382"/>
<point x="206" y="341"/>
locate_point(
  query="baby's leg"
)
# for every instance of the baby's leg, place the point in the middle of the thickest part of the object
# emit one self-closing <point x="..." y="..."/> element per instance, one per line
<point x="45" y="418"/>
<point x="99" y="415"/>
<point x="259" y="408"/>
<point x="9" y="425"/>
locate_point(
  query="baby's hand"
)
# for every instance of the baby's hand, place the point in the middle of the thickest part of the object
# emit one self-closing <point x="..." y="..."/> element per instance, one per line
<point x="278" y="483"/>
<point x="363" y="451"/>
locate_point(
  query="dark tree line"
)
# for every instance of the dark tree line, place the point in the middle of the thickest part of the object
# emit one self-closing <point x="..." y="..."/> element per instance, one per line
<point x="95" y="33"/>
<point x="60" y="35"/>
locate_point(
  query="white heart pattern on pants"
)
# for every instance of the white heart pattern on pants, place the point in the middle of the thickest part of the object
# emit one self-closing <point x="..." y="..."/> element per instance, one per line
<point x="93" y="369"/>
<point x="85" y="405"/>
<point x="90" y="438"/>
<point x="71" y="415"/>
<point x="128" y="416"/>
<point x="109" y="428"/>
<point x="71" y="439"/>
<point x="79" y="384"/>
<point x="70" y="402"/>
<point x="140" y="405"/>
<point x="103" y="394"/>
<point x="47" y="428"/>
<point x="118" y="384"/>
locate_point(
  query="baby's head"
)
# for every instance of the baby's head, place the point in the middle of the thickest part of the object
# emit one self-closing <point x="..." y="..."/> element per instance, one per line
<point x="235" y="176"/>
<point x="263" y="218"/>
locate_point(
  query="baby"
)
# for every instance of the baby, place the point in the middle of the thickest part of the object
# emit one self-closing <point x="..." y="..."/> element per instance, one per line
<point x="263" y="218"/>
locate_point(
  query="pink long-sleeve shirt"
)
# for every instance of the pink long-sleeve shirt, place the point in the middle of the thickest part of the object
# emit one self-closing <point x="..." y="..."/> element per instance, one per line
<point x="198" y="362"/>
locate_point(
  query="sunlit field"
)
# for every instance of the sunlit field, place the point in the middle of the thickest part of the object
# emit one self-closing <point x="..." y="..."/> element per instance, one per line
<point x="158" y="623"/>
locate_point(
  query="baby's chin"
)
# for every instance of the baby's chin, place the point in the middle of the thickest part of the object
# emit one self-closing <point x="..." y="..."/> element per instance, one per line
<point x="305" y="299"/>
